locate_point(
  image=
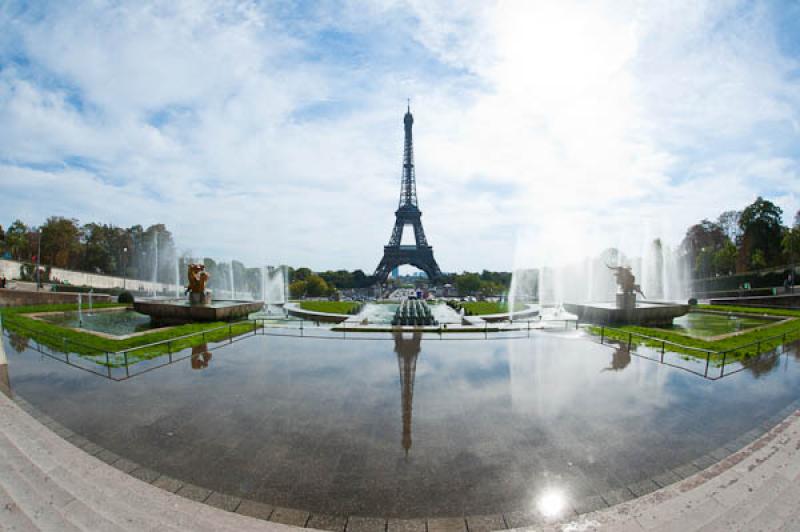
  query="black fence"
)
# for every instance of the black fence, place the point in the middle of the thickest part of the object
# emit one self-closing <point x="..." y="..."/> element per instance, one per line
<point x="713" y="363"/>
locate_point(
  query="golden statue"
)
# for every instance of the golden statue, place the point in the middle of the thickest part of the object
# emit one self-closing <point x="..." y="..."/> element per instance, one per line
<point x="198" y="277"/>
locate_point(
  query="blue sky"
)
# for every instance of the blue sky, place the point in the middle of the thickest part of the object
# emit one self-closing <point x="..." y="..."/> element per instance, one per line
<point x="272" y="131"/>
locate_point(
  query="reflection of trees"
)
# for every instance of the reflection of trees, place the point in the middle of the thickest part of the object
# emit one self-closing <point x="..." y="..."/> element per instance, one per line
<point x="201" y="356"/>
<point x="407" y="350"/>
<point x="762" y="365"/>
<point x="620" y="359"/>
<point x="18" y="342"/>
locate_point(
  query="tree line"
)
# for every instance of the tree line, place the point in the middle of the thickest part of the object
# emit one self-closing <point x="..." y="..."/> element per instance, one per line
<point x="307" y="283"/>
<point x="93" y="247"/>
<point x="742" y="241"/>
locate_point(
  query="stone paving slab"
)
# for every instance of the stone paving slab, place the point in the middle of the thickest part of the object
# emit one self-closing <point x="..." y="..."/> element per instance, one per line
<point x="485" y="523"/>
<point x="666" y="478"/>
<point x="255" y="509"/>
<point x="223" y="502"/>
<point x="406" y="525"/>
<point x="168" y="483"/>
<point x="194" y="493"/>
<point x="366" y="524"/>
<point x="333" y="523"/>
<point x="145" y="475"/>
<point x="290" y="516"/>
<point x="447" y="524"/>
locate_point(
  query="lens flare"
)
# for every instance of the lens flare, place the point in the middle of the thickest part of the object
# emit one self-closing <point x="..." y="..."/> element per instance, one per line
<point x="551" y="503"/>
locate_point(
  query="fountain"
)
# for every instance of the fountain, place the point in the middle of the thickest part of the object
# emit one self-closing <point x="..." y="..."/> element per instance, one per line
<point x="177" y="278"/>
<point x="80" y="310"/>
<point x="626" y="310"/>
<point x="155" y="263"/>
<point x="231" y="280"/>
<point x="274" y="288"/>
<point x="199" y="306"/>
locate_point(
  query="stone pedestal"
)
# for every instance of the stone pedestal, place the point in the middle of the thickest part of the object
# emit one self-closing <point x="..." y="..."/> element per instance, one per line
<point x="626" y="301"/>
<point x="196" y="298"/>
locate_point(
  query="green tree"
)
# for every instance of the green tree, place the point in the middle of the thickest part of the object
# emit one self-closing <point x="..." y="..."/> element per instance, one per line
<point x="489" y="288"/>
<point x="791" y="244"/>
<point x="761" y="227"/>
<point x="297" y="289"/>
<point x="725" y="260"/>
<point x="316" y="286"/>
<point x="704" y="262"/>
<point x="300" y="274"/>
<point x="360" y="279"/>
<point x="17" y="241"/>
<point x="99" y="248"/>
<point x="61" y="242"/>
<point x="757" y="260"/>
<point x="701" y="243"/>
<point x="468" y="283"/>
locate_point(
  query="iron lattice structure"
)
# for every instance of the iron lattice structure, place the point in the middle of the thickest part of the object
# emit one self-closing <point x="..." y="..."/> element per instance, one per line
<point x="419" y="255"/>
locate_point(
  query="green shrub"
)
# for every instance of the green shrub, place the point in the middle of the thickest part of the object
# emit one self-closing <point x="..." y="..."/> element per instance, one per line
<point x="125" y="297"/>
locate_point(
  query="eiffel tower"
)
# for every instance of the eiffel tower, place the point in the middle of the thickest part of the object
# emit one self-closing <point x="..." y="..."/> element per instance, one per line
<point x="420" y="254"/>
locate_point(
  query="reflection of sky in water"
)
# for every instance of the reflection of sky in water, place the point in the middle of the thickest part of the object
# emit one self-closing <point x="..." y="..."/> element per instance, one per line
<point x="318" y="424"/>
<point x="117" y="322"/>
<point x="703" y="324"/>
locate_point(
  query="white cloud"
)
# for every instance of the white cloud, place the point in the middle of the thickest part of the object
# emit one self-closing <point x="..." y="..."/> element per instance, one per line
<point x="543" y="130"/>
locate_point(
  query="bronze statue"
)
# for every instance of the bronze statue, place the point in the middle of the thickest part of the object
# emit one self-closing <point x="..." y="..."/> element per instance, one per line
<point x="626" y="280"/>
<point x="198" y="277"/>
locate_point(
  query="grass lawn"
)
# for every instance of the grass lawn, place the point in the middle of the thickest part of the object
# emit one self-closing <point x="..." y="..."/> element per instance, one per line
<point x="479" y="308"/>
<point x="751" y="310"/>
<point x="96" y="347"/>
<point x="332" y="307"/>
<point x="749" y="343"/>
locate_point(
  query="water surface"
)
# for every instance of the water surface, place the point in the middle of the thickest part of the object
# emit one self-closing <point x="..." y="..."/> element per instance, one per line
<point x="408" y="426"/>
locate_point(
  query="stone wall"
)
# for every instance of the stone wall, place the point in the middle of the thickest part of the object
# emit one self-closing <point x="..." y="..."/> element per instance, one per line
<point x="16" y="298"/>
<point x="11" y="270"/>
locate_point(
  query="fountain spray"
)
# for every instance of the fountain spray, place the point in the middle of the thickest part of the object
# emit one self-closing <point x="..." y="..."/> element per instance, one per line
<point x="155" y="264"/>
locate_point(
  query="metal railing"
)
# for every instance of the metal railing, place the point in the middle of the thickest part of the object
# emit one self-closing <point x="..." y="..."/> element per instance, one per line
<point x="721" y="358"/>
<point x="74" y="353"/>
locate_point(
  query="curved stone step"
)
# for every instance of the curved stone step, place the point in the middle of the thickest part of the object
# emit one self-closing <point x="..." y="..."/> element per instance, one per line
<point x="110" y="492"/>
<point x="30" y="501"/>
<point x="12" y="518"/>
<point x="104" y="497"/>
<point x="86" y="505"/>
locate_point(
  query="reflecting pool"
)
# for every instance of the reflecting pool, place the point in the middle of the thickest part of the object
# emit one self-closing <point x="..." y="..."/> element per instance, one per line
<point x="406" y="426"/>
<point x="705" y="324"/>
<point x="115" y="322"/>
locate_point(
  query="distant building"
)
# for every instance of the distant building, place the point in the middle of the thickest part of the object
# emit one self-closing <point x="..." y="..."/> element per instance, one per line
<point x="395" y="272"/>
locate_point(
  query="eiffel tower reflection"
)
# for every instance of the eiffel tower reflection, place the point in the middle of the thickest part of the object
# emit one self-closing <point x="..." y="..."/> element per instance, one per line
<point x="407" y="350"/>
